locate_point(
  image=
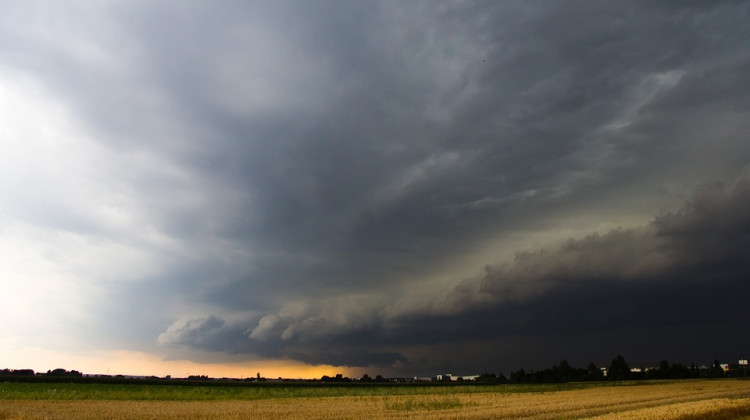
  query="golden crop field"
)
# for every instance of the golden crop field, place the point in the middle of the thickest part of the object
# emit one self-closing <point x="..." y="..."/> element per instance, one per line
<point x="699" y="399"/>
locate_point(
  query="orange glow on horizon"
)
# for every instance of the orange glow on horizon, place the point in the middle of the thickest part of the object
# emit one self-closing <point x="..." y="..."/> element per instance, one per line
<point x="146" y="365"/>
<point x="126" y="362"/>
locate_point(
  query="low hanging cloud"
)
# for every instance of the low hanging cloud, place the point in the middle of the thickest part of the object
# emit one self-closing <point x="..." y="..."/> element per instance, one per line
<point x="654" y="276"/>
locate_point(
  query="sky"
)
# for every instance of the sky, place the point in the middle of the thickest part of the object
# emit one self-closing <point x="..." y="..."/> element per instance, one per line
<point x="299" y="188"/>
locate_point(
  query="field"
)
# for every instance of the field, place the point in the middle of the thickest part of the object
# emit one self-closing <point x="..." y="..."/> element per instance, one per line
<point x="696" y="399"/>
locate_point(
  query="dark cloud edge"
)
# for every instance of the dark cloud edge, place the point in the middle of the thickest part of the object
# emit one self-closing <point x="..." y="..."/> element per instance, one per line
<point x="671" y="273"/>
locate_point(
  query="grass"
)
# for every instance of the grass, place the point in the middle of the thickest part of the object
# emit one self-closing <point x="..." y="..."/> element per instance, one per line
<point x="683" y="400"/>
<point x="152" y="392"/>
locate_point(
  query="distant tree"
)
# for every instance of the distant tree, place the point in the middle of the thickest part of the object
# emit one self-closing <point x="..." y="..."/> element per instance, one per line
<point x="680" y="371"/>
<point x="487" y="378"/>
<point x="365" y="378"/>
<point x="663" y="371"/>
<point x="518" y="376"/>
<point x="338" y="378"/>
<point x="593" y="373"/>
<point x="563" y="372"/>
<point x="17" y="372"/>
<point x="618" y="369"/>
<point x="63" y="372"/>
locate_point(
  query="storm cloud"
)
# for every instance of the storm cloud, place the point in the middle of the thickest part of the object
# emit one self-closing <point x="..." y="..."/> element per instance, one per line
<point x="683" y="269"/>
<point x="419" y="186"/>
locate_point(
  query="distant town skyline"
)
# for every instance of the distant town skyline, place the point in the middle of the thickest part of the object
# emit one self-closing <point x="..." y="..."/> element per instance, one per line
<point x="310" y="188"/>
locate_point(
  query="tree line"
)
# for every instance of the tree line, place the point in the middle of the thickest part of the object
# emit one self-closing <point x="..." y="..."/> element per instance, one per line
<point x="618" y="370"/>
<point x="30" y="372"/>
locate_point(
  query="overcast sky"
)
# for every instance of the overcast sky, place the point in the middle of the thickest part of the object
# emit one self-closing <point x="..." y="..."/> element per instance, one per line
<point x="405" y="188"/>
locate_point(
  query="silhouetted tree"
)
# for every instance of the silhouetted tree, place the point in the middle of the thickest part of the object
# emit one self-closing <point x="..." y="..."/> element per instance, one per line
<point x="563" y="372"/>
<point x="487" y="378"/>
<point x="663" y="371"/>
<point x="618" y="369"/>
<point x="518" y="376"/>
<point x="338" y="378"/>
<point x="63" y="372"/>
<point x="17" y="372"/>
<point x="593" y="373"/>
<point x="679" y="371"/>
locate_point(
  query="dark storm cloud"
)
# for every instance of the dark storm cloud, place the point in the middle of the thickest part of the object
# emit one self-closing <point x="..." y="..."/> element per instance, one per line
<point x="476" y="124"/>
<point x="300" y="169"/>
<point x="420" y="130"/>
<point x="685" y="271"/>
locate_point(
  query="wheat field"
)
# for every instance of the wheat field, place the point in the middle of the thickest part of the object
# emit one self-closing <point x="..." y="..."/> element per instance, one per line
<point x="714" y="399"/>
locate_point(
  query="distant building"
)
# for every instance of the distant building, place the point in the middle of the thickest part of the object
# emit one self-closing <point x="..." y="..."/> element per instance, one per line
<point x="402" y="380"/>
<point x="454" y="378"/>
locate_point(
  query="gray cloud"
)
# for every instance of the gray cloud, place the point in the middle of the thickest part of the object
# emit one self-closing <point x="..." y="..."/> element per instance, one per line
<point x="320" y="177"/>
<point x="685" y="269"/>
